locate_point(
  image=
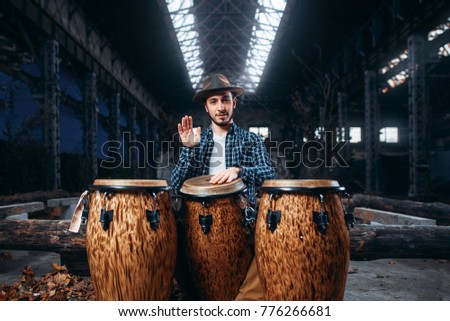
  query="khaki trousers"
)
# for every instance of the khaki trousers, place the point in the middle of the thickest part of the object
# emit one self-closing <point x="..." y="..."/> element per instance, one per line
<point x="251" y="289"/>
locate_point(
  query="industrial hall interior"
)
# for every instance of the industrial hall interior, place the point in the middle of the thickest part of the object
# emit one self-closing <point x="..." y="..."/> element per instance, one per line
<point x="330" y="121"/>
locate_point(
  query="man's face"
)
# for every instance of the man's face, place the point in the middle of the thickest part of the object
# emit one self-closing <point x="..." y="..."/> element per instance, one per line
<point x="220" y="108"/>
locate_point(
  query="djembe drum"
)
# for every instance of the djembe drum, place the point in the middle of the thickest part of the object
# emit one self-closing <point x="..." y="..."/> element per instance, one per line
<point x="131" y="239"/>
<point x="217" y="242"/>
<point x="302" y="244"/>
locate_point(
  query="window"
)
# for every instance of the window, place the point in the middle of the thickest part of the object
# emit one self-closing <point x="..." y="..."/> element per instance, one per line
<point x="261" y="131"/>
<point x="355" y="135"/>
<point x="389" y="135"/>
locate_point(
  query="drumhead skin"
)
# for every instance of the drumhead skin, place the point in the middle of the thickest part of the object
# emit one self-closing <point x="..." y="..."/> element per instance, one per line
<point x="201" y="187"/>
<point x="301" y="185"/>
<point x="130" y="184"/>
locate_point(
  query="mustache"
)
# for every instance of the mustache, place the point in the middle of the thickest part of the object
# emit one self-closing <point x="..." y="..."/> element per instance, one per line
<point x="222" y="114"/>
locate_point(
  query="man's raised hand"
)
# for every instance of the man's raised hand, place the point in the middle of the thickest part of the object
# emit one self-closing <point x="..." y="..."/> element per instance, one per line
<point x="189" y="136"/>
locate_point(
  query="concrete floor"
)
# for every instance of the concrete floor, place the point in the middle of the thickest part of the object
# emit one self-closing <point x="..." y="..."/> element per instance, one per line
<point x="378" y="280"/>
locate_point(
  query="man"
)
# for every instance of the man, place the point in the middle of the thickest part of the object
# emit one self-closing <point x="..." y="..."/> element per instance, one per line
<point x="225" y="151"/>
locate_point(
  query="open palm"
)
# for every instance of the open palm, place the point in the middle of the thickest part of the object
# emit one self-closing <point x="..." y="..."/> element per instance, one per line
<point x="189" y="136"/>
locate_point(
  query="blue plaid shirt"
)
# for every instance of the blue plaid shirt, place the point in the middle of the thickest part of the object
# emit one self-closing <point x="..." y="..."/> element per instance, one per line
<point x="242" y="149"/>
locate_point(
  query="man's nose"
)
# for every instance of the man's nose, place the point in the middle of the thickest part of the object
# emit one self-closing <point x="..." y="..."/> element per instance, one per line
<point x="221" y="105"/>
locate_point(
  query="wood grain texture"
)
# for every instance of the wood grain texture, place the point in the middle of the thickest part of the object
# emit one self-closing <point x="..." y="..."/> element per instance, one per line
<point x="296" y="261"/>
<point x="436" y="210"/>
<point x="131" y="261"/>
<point x="367" y="242"/>
<point x="218" y="260"/>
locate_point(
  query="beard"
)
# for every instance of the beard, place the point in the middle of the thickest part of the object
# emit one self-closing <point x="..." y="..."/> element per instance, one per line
<point x="228" y="118"/>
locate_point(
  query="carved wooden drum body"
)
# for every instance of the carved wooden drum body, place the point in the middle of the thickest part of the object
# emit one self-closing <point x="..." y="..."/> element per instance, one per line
<point x="131" y="239"/>
<point x="302" y="245"/>
<point x="217" y="243"/>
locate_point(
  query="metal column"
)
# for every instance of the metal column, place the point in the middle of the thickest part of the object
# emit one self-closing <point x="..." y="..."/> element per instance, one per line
<point x="371" y="130"/>
<point x="91" y="123"/>
<point x="150" y="148"/>
<point x="136" y="152"/>
<point x="322" y="122"/>
<point x="343" y="130"/>
<point x="114" y="118"/>
<point x="342" y="116"/>
<point x="50" y="111"/>
<point x="418" y="114"/>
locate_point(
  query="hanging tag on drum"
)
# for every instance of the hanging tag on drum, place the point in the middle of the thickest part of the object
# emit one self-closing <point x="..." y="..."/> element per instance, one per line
<point x="77" y="214"/>
<point x="321" y="219"/>
<point x="106" y="218"/>
<point x="154" y="218"/>
<point x="84" y="215"/>
<point x="273" y="218"/>
<point x="205" y="222"/>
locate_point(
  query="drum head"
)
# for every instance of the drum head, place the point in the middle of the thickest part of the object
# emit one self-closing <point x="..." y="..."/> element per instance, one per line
<point x="130" y="184"/>
<point x="288" y="185"/>
<point x="201" y="187"/>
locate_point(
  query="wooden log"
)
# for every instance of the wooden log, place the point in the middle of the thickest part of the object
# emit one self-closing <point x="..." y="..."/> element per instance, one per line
<point x="367" y="242"/>
<point x="40" y="235"/>
<point x="62" y="202"/>
<point x="39" y="196"/>
<point x="368" y="215"/>
<point x="14" y="209"/>
<point x="436" y="211"/>
<point x="370" y="242"/>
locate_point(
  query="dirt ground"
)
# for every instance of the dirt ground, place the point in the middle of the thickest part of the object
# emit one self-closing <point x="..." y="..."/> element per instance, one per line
<point x="378" y="280"/>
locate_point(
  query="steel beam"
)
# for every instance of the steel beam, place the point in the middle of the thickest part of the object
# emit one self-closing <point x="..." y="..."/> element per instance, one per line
<point x="90" y="124"/>
<point x="50" y="111"/>
<point x="371" y="130"/>
<point x="418" y="115"/>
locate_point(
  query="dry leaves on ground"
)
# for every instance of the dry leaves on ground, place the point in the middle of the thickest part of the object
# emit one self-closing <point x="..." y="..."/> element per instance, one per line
<point x="55" y="286"/>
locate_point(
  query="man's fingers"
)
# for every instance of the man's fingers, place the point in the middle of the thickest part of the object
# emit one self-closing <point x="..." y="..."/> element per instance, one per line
<point x="190" y="122"/>
<point x="215" y="179"/>
<point x="221" y="178"/>
<point x="185" y="123"/>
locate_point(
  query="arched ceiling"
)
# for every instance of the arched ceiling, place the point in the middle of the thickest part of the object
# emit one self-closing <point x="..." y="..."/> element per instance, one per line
<point x="312" y="31"/>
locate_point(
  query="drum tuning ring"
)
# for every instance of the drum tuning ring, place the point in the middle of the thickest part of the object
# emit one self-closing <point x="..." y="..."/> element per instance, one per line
<point x="106" y="216"/>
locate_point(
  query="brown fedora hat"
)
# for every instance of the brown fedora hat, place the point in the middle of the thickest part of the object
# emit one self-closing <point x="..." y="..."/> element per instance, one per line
<point x="213" y="84"/>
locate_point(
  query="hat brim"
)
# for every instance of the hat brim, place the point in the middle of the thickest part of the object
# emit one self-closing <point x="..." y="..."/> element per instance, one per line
<point x="200" y="96"/>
